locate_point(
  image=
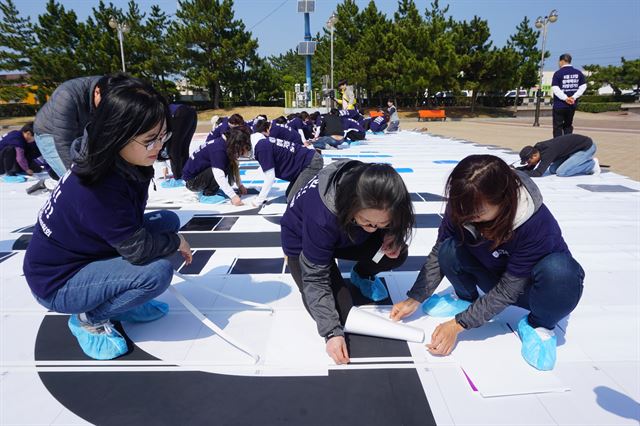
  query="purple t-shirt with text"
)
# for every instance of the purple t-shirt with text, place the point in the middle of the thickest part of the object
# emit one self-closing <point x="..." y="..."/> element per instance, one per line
<point x="568" y="79"/>
<point x="212" y="154"/>
<point x="309" y="226"/>
<point x="287" y="158"/>
<point x="281" y="131"/>
<point x="378" y="124"/>
<point x="80" y="224"/>
<point x="219" y="130"/>
<point x="539" y="236"/>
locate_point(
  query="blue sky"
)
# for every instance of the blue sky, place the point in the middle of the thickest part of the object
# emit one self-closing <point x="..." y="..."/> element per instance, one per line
<point x="593" y="31"/>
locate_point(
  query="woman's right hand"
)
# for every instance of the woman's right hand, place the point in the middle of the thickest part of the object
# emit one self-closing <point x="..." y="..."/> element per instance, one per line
<point x="236" y="201"/>
<point x="185" y="250"/>
<point x="403" y="309"/>
<point x="337" y="350"/>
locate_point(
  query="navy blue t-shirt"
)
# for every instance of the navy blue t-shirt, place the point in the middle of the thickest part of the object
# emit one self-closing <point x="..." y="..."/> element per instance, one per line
<point x="295" y="124"/>
<point x="351" y="124"/>
<point x="287" y="158"/>
<point x="219" y="130"/>
<point x="15" y="139"/>
<point x="568" y="79"/>
<point x="309" y="226"/>
<point x="281" y="131"/>
<point x="378" y="124"/>
<point x="80" y="224"/>
<point x="212" y="153"/>
<point x="539" y="236"/>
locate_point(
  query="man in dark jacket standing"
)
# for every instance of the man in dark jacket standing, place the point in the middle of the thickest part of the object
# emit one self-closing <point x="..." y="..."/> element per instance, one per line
<point x="567" y="155"/>
<point x="63" y="118"/>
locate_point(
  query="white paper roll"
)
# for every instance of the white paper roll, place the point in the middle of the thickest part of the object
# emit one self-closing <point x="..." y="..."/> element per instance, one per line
<point x="360" y="321"/>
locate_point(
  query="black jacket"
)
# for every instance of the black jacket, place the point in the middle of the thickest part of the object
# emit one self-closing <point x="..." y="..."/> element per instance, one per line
<point x="331" y="126"/>
<point x="557" y="149"/>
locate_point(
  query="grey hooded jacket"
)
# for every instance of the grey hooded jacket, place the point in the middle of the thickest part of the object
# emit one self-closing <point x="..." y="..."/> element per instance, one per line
<point x="509" y="287"/>
<point x="316" y="278"/>
<point x="66" y="114"/>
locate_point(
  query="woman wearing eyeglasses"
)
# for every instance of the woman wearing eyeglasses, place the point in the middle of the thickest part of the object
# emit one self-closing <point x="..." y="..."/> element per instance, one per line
<point x="94" y="253"/>
<point x="497" y="235"/>
<point x="213" y="166"/>
<point x="350" y="210"/>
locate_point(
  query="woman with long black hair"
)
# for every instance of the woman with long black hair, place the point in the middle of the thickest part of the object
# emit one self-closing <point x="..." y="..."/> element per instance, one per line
<point x="213" y="166"/>
<point x="350" y="210"/>
<point x="94" y="252"/>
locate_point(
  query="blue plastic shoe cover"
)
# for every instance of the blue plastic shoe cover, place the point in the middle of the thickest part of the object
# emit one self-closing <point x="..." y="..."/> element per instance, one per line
<point x="374" y="290"/>
<point x="98" y="341"/>
<point x="355" y="143"/>
<point x="537" y="351"/>
<point x="13" y="179"/>
<point x="150" y="311"/>
<point x="378" y="133"/>
<point x="172" y="183"/>
<point x="444" y="306"/>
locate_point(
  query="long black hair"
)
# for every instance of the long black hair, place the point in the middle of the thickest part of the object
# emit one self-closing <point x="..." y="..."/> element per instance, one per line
<point x="480" y="179"/>
<point x="130" y="108"/>
<point x="238" y="141"/>
<point x="374" y="186"/>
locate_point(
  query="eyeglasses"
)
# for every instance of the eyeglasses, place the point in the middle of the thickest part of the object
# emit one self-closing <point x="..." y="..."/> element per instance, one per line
<point x="368" y="225"/>
<point x="159" y="140"/>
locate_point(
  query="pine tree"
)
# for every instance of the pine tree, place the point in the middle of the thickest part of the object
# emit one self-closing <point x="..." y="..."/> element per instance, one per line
<point x="17" y="41"/>
<point x="524" y="43"/>
<point x="54" y="59"/>
<point x="474" y="49"/>
<point x="211" y="44"/>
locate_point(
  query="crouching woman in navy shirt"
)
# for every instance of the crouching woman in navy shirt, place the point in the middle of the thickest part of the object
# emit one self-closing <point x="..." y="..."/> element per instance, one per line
<point x="94" y="252"/>
<point x="285" y="160"/>
<point x="350" y="210"/>
<point x="213" y="166"/>
<point x="497" y="235"/>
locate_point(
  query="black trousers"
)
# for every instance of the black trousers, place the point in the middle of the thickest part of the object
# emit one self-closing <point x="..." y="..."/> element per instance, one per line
<point x="365" y="268"/>
<point x="563" y="121"/>
<point x="183" y="126"/>
<point x="355" y="135"/>
<point x="9" y="163"/>
<point x="205" y="182"/>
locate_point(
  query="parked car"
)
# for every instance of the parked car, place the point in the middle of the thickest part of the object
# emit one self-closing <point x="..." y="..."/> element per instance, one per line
<point x="512" y="94"/>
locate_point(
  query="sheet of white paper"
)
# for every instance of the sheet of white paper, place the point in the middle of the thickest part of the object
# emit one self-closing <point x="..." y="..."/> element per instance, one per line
<point x="490" y="355"/>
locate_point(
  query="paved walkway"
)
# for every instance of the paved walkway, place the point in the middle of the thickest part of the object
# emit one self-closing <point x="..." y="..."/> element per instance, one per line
<point x="617" y="135"/>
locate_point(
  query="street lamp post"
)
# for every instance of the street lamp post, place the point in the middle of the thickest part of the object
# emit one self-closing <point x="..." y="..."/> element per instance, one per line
<point x="122" y="28"/>
<point x="331" y="23"/>
<point x="542" y="23"/>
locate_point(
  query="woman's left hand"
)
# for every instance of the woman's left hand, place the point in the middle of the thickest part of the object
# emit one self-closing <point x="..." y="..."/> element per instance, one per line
<point x="242" y="189"/>
<point x="389" y="249"/>
<point x="444" y="338"/>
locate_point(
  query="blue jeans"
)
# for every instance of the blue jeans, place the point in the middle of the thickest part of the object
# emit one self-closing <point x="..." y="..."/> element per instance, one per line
<point x="47" y="148"/>
<point x="393" y="126"/>
<point x="554" y="290"/>
<point x="579" y="163"/>
<point x="109" y="287"/>
<point x="322" y="142"/>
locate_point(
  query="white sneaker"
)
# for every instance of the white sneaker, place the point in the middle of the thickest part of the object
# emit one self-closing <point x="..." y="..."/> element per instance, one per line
<point x="596" y="167"/>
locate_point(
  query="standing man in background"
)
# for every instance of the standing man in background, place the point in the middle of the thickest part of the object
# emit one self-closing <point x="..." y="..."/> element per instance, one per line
<point x="568" y="84"/>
